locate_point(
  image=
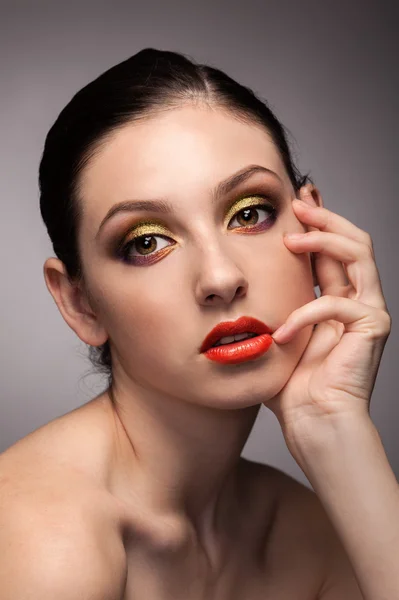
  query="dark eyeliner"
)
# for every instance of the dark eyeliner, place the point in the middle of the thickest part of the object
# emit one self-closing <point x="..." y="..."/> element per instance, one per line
<point x="151" y="228"/>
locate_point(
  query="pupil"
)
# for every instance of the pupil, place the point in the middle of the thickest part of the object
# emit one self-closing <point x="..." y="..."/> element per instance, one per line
<point x="145" y="243"/>
<point x="246" y="215"/>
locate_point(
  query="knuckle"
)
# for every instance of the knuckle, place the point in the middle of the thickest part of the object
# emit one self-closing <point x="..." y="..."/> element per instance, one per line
<point x="326" y="221"/>
<point x="368" y="240"/>
<point x="329" y="300"/>
<point x="368" y="251"/>
<point x="386" y="323"/>
<point x="367" y="237"/>
<point x="382" y="327"/>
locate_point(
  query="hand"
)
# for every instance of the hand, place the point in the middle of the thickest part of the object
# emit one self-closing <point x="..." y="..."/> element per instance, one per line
<point x="335" y="376"/>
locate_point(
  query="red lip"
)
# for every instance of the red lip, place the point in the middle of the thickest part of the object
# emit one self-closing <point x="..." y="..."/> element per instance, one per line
<point x="242" y="325"/>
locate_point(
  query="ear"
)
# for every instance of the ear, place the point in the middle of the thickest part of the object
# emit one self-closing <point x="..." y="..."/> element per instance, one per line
<point x="73" y="304"/>
<point x="309" y="193"/>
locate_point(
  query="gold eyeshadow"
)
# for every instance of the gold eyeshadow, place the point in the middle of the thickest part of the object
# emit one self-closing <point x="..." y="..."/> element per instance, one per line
<point x="246" y="202"/>
<point x="146" y="228"/>
<point x="153" y="228"/>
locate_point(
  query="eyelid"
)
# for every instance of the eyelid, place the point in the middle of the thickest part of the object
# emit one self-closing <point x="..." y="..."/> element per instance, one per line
<point x="245" y="202"/>
<point x="153" y="228"/>
<point x="140" y="229"/>
<point x="146" y="228"/>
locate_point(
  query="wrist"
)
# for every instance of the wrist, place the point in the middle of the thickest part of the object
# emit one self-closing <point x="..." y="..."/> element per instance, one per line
<point x="310" y="438"/>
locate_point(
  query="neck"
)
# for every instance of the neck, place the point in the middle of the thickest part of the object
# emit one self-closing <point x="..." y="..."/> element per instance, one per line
<point x="181" y="459"/>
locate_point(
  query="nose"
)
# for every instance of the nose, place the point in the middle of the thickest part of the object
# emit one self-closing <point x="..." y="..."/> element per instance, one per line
<point x="220" y="279"/>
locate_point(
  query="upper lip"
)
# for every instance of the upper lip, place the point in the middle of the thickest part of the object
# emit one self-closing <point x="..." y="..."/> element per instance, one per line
<point x="241" y="325"/>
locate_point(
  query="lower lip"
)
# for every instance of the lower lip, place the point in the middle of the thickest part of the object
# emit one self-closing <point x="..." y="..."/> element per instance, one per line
<point x="238" y="352"/>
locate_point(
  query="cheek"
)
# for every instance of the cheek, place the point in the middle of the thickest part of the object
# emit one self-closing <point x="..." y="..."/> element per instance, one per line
<point x="139" y="323"/>
<point x="285" y="281"/>
<point x="297" y="279"/>
<point x="287" y="276"/>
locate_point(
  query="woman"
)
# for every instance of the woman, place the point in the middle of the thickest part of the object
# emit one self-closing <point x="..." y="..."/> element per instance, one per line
<point x="167" y="190"/>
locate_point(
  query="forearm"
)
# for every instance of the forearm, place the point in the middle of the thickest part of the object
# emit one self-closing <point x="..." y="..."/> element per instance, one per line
<point x="348" y="469"/>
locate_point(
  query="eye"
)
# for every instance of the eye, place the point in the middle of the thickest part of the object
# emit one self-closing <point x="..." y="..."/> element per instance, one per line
<point x="248" y="218"/>
<point x="145" y="250"/>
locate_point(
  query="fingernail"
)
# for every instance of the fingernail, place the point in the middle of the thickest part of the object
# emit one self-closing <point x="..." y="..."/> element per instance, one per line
<point x="280" y="331"/>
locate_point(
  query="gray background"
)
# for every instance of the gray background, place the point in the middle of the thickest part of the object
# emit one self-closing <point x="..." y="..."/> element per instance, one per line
<point x="328" y="70"/>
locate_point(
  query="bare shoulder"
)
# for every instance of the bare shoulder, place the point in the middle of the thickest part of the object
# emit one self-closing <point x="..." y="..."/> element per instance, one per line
<point x="303" y="534"/>
<point x="295" y="503"/>
<point x="290" y="495"/>
<point x="62" y="463"/>
<point x="44" y="547"/>
<point x="299" y="531"/>
<point x="77" y="439"/>
<point x="54" y="514"/>
<point x="296" y="509"/>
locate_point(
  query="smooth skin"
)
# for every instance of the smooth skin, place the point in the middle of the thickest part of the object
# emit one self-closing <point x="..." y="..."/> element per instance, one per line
<point x="324" y="409"/>
<point x="161" y="463"/>
<point x="187" y="425"/>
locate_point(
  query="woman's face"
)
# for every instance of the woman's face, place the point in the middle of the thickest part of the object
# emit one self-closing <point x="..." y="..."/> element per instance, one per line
<point x="215" y="260"/>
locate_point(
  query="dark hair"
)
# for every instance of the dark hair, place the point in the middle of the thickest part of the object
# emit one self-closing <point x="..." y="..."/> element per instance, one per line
<point x="145" y="84"/>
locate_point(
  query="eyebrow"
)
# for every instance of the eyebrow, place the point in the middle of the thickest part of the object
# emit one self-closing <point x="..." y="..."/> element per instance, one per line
<point x="164" y="207"/>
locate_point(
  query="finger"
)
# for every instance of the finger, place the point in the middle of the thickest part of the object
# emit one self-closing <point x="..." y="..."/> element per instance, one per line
<point x="330" y="274"/>
<point x="355" y="316"/>
<point x="326" y="220"/>
<point x="357" y="257"/>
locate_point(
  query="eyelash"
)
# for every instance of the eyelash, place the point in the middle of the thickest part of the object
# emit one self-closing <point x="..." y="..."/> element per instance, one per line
<point x="123" y="249"/>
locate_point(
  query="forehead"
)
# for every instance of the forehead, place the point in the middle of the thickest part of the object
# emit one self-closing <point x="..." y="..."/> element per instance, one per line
<point x="179" y="152"/>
